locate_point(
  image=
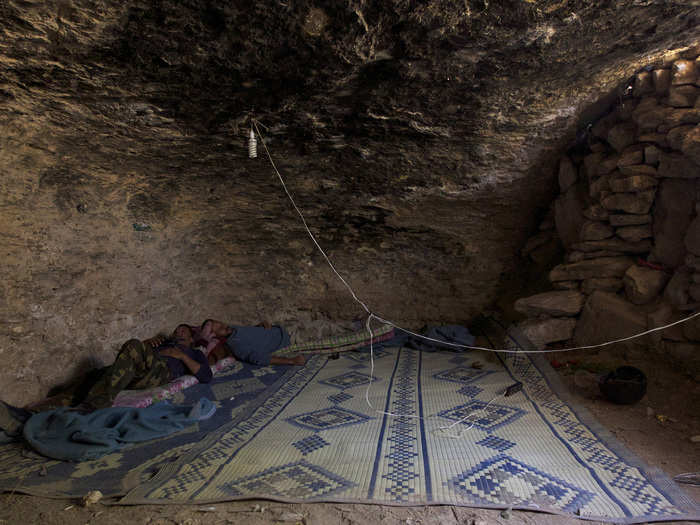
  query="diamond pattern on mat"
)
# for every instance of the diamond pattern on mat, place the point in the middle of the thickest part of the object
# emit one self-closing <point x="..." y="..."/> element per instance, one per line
<point x="348" y="380"/>
<point x="324" y="419"/>
<point x="506" y="481"/>
<point x="496" y="443"/>
<point x="300" y="480"/>
<point x="461" y="374"/>
<point x="639" y="492"/>
<point x="482" y="416"/>
<point x="402" y="432"/>
<point x="470" y="390"/>
<point x="340" y="397"/>
<point x="311" y="443"/>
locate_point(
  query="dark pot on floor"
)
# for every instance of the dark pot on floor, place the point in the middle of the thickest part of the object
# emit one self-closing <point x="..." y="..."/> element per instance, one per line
<point x="624" y="386"/>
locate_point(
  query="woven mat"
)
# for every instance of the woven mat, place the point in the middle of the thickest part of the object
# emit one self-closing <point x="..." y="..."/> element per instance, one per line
<point x="316" y="439"/>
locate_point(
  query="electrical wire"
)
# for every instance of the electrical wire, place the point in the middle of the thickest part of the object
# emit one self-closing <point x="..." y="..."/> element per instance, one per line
<point x="424" y="337"/>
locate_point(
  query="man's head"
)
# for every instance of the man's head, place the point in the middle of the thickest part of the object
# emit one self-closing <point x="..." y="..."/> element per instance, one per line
<point x="183" y="334"/>
<point x="213" y="328"/>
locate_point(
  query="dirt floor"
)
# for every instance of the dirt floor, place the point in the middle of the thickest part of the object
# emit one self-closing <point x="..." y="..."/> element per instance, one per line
<point x="659" y="429"/>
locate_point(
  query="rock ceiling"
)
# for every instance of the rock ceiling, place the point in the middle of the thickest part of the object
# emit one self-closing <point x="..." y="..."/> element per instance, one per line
<point x="420" y="139"/>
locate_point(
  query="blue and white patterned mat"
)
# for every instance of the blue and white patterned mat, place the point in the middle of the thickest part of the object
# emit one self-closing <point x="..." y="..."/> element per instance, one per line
<point x="314" y="438"/>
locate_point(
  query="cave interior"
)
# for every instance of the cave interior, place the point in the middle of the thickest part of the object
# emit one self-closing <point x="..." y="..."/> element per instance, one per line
<point x="453" y="159"/>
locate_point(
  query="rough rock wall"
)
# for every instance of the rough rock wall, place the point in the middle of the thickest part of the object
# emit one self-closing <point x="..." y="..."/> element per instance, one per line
<point x="419" y="138"/>
<point x="628" y="215"/>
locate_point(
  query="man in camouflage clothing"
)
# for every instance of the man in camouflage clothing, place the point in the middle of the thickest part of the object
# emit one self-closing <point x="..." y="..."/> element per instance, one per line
<point x="139" y="365"/>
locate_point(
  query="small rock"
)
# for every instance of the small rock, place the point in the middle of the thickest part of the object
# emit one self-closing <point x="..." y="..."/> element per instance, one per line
<point x="662" y="80"/>
<point x="642" y="284"/>
<point x="648" y="117"/>
<point x="691" y="146"/>
<point x="631" y="155"/>
<point x="544" y="331"/>
<point x="643" y="84"/>
<point x="629" y="219"/>
<point x="682" y="96"/>
<point x="595" y="231"/>
<point x="656" y="138"/>
<point x="596" y="212"/>
<point x="605" y="284"/>
<point x="289" y="516"/>
<point x="638" y="169"/>
<point x="683" y="72"/>
<point x="608" y="165"/>
<point x="607" y="316"/>
<point x="678" y="117"/>
<point x="638" y="203"/>
<point x="634" y="233"/>
<point x="506" y="514"/>
<point x="621" y="135"/>
<point x="563" y="303"/>
<point x="632" y="184"/>
<point x="575" y="256"/>
<point x="695" y="438"/>
<point x="613" y="245"/>
<point x="677" y="135"/>
<point x="591" y="268"/>
<point x="651" y="155"/>
<point x="91" y="497"/>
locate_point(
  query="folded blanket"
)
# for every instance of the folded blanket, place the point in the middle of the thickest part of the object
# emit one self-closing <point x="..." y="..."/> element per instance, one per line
<point x="339" y="343"/>
<point x="68" y="435"/>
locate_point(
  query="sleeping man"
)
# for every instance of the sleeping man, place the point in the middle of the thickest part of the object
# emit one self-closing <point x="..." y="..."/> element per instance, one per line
<point x="139" y="365"/>
<point x="252" y="344"/>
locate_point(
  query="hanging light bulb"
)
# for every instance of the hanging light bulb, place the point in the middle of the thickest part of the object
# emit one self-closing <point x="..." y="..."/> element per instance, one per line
<point x="252" y="145"/>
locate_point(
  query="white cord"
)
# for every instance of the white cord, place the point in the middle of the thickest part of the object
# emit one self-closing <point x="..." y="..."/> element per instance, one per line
<point x="455" y="345"/>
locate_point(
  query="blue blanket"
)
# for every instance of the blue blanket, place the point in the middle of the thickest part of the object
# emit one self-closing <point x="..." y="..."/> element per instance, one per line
<point x="68" y="435"/>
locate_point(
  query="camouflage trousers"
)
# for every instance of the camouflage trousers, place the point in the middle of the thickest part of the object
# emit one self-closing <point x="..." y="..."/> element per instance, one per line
<point x="137" y="366"/>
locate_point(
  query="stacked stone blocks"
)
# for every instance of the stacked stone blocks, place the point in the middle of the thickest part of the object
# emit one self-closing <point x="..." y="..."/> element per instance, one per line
<point x="628" y="216"/>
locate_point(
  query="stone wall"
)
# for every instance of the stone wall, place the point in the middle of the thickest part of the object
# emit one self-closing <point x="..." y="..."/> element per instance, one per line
<point x="628" y="215"/>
